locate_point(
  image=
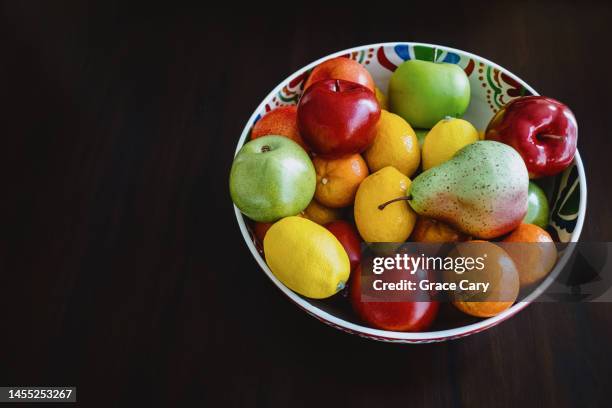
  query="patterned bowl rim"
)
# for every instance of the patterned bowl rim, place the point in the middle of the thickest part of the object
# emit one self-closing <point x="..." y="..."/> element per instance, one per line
<point x="419" y="337"/>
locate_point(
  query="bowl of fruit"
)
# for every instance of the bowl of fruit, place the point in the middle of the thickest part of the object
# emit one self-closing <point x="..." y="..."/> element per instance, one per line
<point x="400" y="143"/>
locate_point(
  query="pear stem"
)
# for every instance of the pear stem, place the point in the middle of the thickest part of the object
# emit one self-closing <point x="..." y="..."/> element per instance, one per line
<point x="404" y="198"/>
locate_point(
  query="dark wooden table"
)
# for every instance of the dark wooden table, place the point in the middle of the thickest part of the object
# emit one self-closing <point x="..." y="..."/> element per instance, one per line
<point x="123" y="271"/>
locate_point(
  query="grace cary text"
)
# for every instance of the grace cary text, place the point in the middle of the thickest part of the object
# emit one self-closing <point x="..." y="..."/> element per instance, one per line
<point x="426" y="285"/>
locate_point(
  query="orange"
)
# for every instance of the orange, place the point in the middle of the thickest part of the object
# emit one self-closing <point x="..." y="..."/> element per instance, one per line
<point x="430" y="230"/>
<point x="533" y="252"/>
<point x="338" y="179"/>
<point x="499" y="270"/>
<point x="321" y="214"/>
<point x="341" y="68"/>
<point x="528" y="233"/>
<point x="281" y="122"/>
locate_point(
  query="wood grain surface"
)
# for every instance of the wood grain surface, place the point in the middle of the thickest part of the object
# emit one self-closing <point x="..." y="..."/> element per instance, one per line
<point x="123" y="271"/>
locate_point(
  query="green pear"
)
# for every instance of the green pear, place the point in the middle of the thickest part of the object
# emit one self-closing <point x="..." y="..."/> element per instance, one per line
<point x="482" y="190"/>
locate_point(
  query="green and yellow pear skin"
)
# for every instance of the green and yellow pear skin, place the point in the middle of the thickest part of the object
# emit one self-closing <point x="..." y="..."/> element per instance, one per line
<point x="481" y="191"/>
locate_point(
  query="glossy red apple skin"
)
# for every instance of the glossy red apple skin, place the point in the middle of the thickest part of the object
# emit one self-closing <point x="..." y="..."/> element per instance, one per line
<point x="337" y="117"/>
<point x="346" y="233"/>
<point x="260" y="229"/>
<point x="543" y="130"/>
<point x="394" y="316"/>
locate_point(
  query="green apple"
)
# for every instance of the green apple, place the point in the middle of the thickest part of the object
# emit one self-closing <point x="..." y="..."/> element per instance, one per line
<point x="420" y="134"/>
<point x="537" y="211"/>
<point x="423" y="92"/>
<point x="272" y="177"/>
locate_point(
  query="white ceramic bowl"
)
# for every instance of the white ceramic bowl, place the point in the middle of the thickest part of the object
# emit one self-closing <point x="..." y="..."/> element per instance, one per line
<point x="492" y="86"/>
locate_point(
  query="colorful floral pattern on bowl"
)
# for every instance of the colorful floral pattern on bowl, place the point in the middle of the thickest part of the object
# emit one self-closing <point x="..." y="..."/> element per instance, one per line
<point x="492" y="86"/>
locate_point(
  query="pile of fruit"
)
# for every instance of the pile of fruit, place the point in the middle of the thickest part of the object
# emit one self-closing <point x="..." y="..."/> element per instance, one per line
<point x="350" y="164"/>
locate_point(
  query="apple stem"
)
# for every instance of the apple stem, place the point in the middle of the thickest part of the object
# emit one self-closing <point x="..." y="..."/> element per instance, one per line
<point x="556" y="137"/>
<point x="404" y="198"/>
<point x="337" y="86"/>
<point x="265" y="148"/>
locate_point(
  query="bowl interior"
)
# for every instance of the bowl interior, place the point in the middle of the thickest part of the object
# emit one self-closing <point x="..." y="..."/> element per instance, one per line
<point x="491" y="87"/>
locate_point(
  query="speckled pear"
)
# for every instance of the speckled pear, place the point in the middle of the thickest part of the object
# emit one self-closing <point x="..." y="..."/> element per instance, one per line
<point x="482" y="190"/>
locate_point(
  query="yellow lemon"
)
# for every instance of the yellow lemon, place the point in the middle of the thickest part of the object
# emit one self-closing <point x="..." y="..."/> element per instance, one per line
<point x="395" y="145"/>
<point x="395" y="222"/>
<point x="383" y="101"/>
<point x="306" y="257"/>
<point x="320" y="214"/>
<point x="446" y="138"/>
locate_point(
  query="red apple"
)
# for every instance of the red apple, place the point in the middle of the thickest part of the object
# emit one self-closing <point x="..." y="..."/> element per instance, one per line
<point x="337" y="117"/>
<point x="349" y="238"/>
<point x="281" y="122"/>
<point x="341" y="68"/>
<point x="260" y="229"/>
<point x="543" y="130"/>
<point x="392" y="315"/>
